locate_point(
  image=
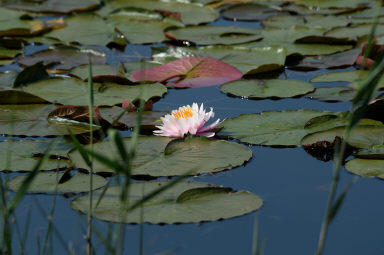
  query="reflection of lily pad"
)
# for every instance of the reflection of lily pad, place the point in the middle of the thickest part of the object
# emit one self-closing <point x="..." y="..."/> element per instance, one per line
<point x="206" y="35"/>
<point x="70" y="91"/>
<point x="267" y="88"/>
<point x="141" y="26"/>
<point x="363" y="136"/>
<point x="22" y="155"/>
<point x="185" y="202"/>
<point x="156" y="156"/>
<point x="31" y="120"/>
<point x="191" y="14"/>
<point x="366" y="167"/>
<point x="333" y="94"/>
<point x="285" y="128"/>
<point x="47" y="182"/>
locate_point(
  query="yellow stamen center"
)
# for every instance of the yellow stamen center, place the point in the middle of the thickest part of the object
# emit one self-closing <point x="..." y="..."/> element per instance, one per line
<point x="183" y="112"/>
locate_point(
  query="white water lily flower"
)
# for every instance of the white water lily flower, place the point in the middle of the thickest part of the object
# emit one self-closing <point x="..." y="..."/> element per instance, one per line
<point x="186" y="120"/>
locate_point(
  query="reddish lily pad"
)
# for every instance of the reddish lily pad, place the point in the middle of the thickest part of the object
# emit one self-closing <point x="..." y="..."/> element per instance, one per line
<point x="190" y="72"/>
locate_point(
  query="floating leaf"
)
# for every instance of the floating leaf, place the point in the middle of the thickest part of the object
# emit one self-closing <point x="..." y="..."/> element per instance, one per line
<point x="24" y="155"/>
<point x="206" y="35"/>
<point x="273" y="88"/>
<point x="333" y="94"/>
<point x="354" y="76"/>
<point x="262" y="59"/>
<point x="185" y="202"/>
<point x="78" y="114"/>
<point x="70" y="91"/>
<point x="81" y="28"/>
<point x="310" y="21"/>
<point x="354" y="32"/>
<point x="101" y="73"/>
<point x="30" y="74"/>
<point x="140" y="25"/>
<point x="158" y="156"/>
<point x="363" y="136"/>
<point x="274" y="128"/>
<point x="377" y="152"/>
<point x="190" y="72"/>
<point x="251" y="12"/>
<point x="64" y="57"/>
<point x="366" y="167"/>
<point x="191" y="14"/>
<point x="31" y="120"/>
<point x="53" y="6"/>
<point x="47" y="182"/>
<point x="13" y="25"/>
<point x="337" y="60"/>
<point x="129" y="119"/>
<point x="289" y="38"/>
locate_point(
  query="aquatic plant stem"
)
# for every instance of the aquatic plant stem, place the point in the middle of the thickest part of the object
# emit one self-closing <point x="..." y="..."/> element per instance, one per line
<point x="90" y="107"/>
<point x="339" y="156"/>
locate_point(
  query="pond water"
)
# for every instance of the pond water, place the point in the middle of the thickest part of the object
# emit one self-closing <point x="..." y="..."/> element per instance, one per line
<point x="293" y="185"/>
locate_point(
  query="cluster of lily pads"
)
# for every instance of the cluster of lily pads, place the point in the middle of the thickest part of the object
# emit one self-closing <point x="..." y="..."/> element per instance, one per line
<point x="47" y="95"/>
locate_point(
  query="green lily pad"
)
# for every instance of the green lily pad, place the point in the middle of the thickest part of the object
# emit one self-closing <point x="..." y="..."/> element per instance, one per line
<point x="354" y="32"/>
<point x="366" y="167"/>
<point x="191" y="14"/>
<point x="286" y="128"/>
<point x="333" y="94"/>
<point x="158" y="156"/>
<point x="376" y="152"/>
<point x="101" y="73"/>
<point x="310" y="21"/>
<point x="53" y="6"/>
<point x="47" y="182"/>
<point x="31" y="120"/>
<point x="258" y="60"/>
<point x="289" y="38"/>
<point x="336" y="4"/>
<point x="337" y="60"/>
<point x="140" y="25"/>
<point x="24" y="155"/>
<point x="206" y="35"/>
<point x="12" y="24"/>
<point x="81" y="28"/>
<point x="348" y="76"/>
<point x="354" y="76"/>
<point x="267" y="88"/>
<point x="129" y="119"/>
<point x="133" y="66"/>
<point x="70" y="91"/>
<point x="185" y="202"/>
<point x="363" y="136"/>
<point x="251" y="12"/>
<point x="64" y="57"/>
<point x="272" y="128"/>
